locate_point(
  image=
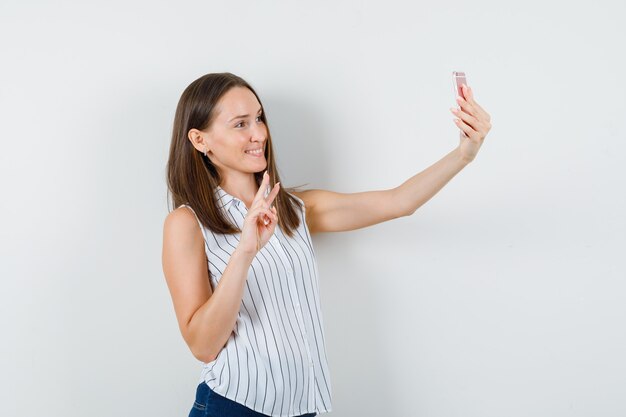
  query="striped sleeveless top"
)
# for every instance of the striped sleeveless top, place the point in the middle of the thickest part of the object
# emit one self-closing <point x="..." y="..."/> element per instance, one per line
<point x="274" y="361"/>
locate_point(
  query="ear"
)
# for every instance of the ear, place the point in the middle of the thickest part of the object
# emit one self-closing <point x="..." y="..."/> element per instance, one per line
<point x="199" y="139"/>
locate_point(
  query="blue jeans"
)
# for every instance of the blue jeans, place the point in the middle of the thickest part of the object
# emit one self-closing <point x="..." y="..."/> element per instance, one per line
<point x="208" y="403"/>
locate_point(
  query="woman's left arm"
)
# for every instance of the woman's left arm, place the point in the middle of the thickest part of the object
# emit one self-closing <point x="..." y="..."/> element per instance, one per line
<point x="328" y="211"/>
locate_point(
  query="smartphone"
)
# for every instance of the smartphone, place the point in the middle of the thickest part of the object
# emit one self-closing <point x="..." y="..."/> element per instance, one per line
<point x="458" y="79"/>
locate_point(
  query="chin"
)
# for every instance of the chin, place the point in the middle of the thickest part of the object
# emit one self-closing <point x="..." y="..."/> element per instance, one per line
<point x="263" y="164"/>
<point x="259" y="168"/>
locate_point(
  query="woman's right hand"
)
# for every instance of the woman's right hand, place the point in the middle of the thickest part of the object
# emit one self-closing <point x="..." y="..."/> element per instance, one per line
<point x="261" y="220"/>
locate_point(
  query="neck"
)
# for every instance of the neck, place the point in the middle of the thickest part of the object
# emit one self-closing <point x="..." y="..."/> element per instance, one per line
<point x="240" y="185"/>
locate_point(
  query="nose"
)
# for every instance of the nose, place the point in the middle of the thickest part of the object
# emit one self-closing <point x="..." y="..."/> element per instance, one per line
<point x="259" y="133"/>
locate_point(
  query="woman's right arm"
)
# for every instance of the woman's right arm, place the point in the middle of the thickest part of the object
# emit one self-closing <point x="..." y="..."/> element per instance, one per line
<point x="205" y="318"/>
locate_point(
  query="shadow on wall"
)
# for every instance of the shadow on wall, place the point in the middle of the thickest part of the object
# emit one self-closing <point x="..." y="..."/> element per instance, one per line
<point x="300" y="141"/>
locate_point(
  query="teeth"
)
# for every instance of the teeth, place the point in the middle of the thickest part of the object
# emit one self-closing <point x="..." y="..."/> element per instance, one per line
<point x="256" y="152"/>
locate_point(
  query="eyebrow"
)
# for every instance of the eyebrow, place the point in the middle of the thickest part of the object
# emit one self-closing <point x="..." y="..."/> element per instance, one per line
<point x="243" y="116"/>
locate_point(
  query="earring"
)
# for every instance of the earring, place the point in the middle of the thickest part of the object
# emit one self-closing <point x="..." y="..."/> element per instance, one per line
<point x="205" y="151"/>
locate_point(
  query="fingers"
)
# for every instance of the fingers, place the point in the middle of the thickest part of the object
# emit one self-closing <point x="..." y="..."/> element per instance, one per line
<point x="467" y="118"/>
<point x="467" y="129"/>
<point x="263" y="202"/>
<point x="466" y="106"/>
<point x="261" y="198"/>
<point x="260" y="195"/>
<point x="265" y="215"/>
<point x="261" y="191"/>
<point x="269" y="222"/>
<point x="272" y="195"/>
<point x="471" y="113"/>
<point x="275" y="218"/>
<point x="469" y="98"/>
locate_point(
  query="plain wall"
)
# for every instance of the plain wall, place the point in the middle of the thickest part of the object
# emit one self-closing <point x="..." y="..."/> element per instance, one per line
<point x="503" y="295"/>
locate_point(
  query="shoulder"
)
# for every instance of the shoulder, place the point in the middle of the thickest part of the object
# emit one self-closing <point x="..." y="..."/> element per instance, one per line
<point x="181" y="226"/>
<point x="316" y="198"/>
<point x="306" y="197"/>
<point x="311" y="200"/>
<point x="181" y="216"/>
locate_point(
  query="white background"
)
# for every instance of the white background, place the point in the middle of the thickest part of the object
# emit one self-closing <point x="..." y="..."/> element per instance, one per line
<point x="503" y="295"/>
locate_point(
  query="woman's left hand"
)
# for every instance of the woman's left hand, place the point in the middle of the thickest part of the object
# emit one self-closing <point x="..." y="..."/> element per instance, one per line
<point x="474" y="123"/>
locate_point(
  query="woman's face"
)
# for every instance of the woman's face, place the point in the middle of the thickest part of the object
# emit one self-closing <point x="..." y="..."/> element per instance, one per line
<point x="237" y="137"/>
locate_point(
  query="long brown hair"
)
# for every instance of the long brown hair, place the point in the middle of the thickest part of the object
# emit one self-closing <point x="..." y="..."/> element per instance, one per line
<point x="192" y="178"/>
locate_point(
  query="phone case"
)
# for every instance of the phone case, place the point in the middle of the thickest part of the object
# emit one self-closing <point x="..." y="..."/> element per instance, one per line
<point x="458" y="79"/>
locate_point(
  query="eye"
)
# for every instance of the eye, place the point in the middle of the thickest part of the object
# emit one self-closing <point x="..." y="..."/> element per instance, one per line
<point x="238" y="124"/>
<point x="259" y="118"/>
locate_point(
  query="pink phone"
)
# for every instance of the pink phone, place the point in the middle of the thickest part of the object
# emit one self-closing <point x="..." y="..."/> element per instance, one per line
<point x="458" y="79"/>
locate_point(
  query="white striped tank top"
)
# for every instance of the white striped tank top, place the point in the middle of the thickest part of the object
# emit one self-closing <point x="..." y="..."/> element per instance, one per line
<point x="274" y="361"/>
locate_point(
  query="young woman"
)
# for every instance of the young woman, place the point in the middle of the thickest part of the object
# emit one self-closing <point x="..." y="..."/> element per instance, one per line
<point x="237" y="251"/>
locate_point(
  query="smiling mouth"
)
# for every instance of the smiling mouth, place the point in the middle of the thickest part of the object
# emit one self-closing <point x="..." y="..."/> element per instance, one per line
<point x="255" y="152"/>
